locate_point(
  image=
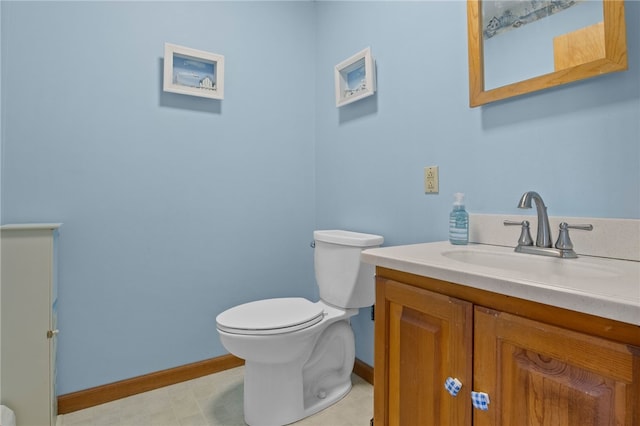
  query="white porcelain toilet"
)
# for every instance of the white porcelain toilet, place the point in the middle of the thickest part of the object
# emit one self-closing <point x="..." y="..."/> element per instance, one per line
<point x="299" y="354"/>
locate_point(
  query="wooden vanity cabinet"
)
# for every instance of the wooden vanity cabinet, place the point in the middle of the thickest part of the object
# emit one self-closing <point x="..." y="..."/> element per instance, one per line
<point x="540" y="365"/>
<point x="427" y="339"/>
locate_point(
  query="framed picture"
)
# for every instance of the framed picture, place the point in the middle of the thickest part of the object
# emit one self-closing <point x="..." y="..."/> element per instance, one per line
<point x="355" y="78"/>
<point x="193" y="72"/>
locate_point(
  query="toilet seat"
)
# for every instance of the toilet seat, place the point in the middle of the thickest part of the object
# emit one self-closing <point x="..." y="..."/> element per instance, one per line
<point x="270" y="316"/>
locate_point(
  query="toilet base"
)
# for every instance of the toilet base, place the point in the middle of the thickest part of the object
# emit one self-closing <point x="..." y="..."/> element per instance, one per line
<point x="279" y="394"/>
<point x="272" y="394"/>
<point x="321" y="403"/>
<point x="276" y="402"/>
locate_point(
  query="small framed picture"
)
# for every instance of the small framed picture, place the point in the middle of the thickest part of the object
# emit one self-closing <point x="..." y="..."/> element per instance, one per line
<point x="193" y="72"/>
<point x="355" y="78"/>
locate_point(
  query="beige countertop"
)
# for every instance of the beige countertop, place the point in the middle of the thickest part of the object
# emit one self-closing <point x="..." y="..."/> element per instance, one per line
<point x="609" y="288"/>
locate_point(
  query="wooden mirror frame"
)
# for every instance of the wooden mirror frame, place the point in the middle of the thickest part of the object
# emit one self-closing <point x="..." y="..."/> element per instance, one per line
<point x="615" y="58"/>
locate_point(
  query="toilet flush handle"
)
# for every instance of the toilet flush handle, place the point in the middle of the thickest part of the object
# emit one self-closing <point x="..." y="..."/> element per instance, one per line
<point x="313" y="244"/>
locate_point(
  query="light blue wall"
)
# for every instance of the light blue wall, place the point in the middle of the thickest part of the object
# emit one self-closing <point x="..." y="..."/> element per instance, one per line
<point x="174" y="207"/>
<point x="578" y="145"/>
<point x="164" y="197"/>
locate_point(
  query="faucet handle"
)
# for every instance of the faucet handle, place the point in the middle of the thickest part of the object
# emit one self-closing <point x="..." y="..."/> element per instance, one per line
<point x="586" y="227"/>
<point x="564" y="242"/>
<point x="525" y="236"/>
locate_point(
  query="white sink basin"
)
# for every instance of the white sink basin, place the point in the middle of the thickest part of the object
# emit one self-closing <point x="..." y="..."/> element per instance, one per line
<point x="567" y="268"/>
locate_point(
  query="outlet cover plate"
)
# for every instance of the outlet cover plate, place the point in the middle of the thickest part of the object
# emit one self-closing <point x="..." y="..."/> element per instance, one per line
<point x="431" y="180"/>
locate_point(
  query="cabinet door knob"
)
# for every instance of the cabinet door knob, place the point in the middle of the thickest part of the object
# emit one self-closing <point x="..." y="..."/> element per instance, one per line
<point x="51" y="333"/>
<point x="452" y="385"/>
<point x="480" y="400"/>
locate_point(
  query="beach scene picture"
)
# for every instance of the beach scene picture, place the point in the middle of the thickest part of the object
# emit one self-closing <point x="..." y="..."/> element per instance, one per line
<point x="191" y="72"/>
<point x="499" y="16"/>
<point x="356" y="80"/>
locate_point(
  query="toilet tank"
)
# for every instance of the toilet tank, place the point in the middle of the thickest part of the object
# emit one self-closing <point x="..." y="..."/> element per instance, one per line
<point x="344" y="281"/>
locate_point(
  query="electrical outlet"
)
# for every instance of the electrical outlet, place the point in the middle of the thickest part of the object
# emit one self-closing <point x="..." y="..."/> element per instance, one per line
<point x="431" y="181"/>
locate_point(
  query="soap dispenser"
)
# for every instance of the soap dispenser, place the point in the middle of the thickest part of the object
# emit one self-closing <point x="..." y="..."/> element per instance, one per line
<point x="459" y="221"/>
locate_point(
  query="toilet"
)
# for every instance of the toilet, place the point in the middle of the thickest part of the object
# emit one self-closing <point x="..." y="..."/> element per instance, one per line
<point x="299" y="354"/>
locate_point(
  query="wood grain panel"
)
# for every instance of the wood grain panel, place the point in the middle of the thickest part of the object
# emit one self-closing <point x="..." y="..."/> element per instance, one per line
<point x="579" y="47"/>
<point x="429" y="339"/>
<point x="538" y="374"/>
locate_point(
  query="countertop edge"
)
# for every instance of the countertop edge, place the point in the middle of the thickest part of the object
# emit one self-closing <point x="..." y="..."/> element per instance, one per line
<point x="584" y="302"/>
<point x="29" y="226"/>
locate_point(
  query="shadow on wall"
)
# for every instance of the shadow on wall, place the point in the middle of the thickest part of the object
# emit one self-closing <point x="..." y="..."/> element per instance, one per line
<point x="359" y="109"/>
<point x="557" y="101"/>
<point x="186" y="102"/>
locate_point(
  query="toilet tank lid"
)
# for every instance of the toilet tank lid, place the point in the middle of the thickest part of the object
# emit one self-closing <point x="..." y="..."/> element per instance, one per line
<point x="348" y="238"/>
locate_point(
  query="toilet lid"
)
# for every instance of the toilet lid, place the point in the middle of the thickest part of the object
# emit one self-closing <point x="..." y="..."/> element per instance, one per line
<point x="270" y="316"/>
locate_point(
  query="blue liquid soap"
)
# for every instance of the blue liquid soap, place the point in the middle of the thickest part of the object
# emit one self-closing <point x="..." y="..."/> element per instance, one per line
<point x="459" y="222"/>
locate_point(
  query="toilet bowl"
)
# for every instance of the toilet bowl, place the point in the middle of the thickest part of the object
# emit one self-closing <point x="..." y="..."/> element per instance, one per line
<point x="278" y="361"/>
<point x="299" y="354"/>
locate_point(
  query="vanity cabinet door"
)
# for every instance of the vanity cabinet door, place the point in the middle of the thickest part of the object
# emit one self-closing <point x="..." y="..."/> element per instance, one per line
<point x="538" y="374"/>
<point x="422" y="338"/>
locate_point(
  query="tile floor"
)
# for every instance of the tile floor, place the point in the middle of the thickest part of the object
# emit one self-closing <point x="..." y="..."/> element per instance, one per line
<point x="214" y="400"/>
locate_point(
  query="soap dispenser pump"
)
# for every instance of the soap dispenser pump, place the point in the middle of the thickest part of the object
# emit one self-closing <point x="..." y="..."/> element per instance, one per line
<point x="459" y="221"/>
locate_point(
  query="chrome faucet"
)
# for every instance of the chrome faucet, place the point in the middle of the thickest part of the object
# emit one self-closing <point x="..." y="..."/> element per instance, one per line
<point x="543" y="239"/>
<point x="563" y="247"/>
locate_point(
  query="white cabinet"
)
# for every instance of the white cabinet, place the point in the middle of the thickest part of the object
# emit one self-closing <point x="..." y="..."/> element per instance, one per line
<point x="28" y="322"/>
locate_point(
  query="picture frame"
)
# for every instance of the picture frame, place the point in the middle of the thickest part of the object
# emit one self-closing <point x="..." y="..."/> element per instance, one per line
<point x="193" y="72"/>
<point x="355" y="78"/>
